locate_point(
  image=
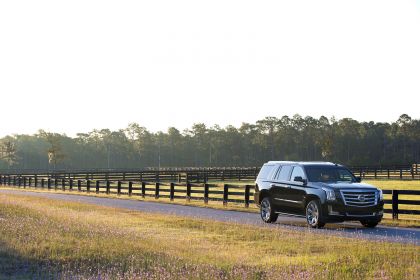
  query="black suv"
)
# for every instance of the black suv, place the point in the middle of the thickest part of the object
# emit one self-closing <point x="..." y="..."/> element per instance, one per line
<point x="319" y="191"/>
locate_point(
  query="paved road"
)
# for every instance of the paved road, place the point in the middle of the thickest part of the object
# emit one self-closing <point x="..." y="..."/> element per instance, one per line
<point x="354" y="230"/>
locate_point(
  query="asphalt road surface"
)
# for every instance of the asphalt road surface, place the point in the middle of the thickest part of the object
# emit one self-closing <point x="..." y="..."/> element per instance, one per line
<point x="353" y="230"/>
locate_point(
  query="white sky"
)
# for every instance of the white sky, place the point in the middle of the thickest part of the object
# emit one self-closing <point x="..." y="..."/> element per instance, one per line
<point x="72" y="66"/>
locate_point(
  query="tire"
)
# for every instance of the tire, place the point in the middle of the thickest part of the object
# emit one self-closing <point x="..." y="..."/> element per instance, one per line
<point x="268" y="215"/>
<point x="313" y="214"/>
<point x="369" y="224"/>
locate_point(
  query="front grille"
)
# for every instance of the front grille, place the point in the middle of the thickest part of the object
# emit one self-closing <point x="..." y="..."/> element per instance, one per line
<point x="359" y="198"/>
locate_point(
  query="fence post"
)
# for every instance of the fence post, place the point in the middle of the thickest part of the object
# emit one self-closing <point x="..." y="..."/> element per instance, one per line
<point x="88" y="185"/>
<point x="79" y="185"/>
<point x="400" y="173"/>
<point x="63" y="184"/>
<point x="172" y="193"/>
<point x="247" y="188"/>
<point x="130" y="188"/>
<point x="42" y="183"/>
<point x="36" y="181"/>
<point x="55" y="184"/>
<point x="157" y="185"/>
<point x="119" y="188"/>
<point x="376" y="171"/>
<point x="388" y="172"/>
<point x="97" y="186"/>
<point x="71" y="184"/>
<point x="49" y="183"/>
<point x="24" y="182"/>
<point x="394" y="204"/>
<point x="10" y="180"/>
<point x="108" y="186"/>
<point x="143" y="189"/>
<point x="188" y="191"/>
<point x="206" y="193"/>
<point x="30" y="182"/>
<point x="225" y="194"/>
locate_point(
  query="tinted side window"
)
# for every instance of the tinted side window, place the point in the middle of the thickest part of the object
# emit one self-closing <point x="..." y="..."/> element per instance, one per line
<point x="284" y="173"/>
<point x="297" y="171"/>
<point x="277" y="173"/>
<point x="265" y="170"/>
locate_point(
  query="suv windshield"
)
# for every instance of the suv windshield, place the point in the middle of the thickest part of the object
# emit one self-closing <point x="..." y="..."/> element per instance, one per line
<point x="329" y="174"/>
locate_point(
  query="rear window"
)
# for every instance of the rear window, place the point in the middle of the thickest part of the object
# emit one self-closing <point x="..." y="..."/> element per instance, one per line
<point x="265" y="171"/>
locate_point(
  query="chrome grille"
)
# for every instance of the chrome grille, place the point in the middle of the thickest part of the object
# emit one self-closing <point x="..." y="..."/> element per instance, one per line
<point x="359" y="198"/>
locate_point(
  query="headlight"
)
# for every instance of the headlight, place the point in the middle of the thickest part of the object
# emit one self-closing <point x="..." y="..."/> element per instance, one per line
<point x="381" y="195"/>
<point x="330" y="194"/>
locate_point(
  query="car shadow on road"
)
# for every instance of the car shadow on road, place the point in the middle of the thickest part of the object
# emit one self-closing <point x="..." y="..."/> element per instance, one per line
<point x="385" y="233"/>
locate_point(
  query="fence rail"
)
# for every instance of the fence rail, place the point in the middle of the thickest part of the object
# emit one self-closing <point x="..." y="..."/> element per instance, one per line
<point x="192" y="174"/>
<point x="225" y="193"/>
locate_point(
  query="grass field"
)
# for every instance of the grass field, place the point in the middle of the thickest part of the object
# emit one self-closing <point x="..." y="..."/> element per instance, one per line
<point x="46" y="239"/>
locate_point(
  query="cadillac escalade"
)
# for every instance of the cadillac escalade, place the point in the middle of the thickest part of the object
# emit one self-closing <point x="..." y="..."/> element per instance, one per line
<point x="321" y="192"/>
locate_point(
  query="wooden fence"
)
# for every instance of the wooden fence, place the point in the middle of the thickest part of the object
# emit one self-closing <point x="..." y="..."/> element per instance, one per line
<point x="226" y="193"/>
<point x="197" y="175"/>
<point x="396" y="172"/>
<point x="169" y="175"/>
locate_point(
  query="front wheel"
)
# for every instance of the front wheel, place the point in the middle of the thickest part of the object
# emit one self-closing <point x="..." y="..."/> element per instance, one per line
<point x="267" y="212"/>
<point x="369" y="224"/>
<point x="314" y="215"/>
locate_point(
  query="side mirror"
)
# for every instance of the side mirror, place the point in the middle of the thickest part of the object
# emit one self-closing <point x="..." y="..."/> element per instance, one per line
<point x="300" y="179"/>
<point x="358" y="179"/>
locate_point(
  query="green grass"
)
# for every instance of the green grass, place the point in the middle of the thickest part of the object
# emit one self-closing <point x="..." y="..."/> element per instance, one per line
<point x="43" y="238"/>
<point x="395" y="184"/>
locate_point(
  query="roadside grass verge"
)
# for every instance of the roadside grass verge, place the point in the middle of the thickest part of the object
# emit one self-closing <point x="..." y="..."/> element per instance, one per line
<point x="42" y="238"/>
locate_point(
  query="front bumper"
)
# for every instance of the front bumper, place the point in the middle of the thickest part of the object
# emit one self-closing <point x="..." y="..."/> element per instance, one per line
<point x="335" y="211"/>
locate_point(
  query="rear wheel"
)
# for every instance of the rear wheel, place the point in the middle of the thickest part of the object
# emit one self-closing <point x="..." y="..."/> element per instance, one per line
<point x="267" y="212"/>
<point x="369" y="224"/>
<point x="314" y="215"/>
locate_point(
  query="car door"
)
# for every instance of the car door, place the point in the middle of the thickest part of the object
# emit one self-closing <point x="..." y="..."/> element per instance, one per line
<point x="280" y="187"/>
<point x="297" y="190"/>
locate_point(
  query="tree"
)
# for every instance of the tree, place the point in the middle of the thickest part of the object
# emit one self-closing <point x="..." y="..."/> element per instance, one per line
<point x="55" y="152"/>
<point x="8" y="151"/>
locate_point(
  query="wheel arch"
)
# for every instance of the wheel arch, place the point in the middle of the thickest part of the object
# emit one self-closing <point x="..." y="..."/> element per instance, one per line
<point x="310" y="197"/>
<point x="263" y="193"/>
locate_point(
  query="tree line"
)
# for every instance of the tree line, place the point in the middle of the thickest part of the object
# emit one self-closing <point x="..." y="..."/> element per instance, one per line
<point x="344" y="141"/>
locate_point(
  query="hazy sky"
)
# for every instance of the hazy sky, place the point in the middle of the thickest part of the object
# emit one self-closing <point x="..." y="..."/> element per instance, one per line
<point x="71" y="66"/>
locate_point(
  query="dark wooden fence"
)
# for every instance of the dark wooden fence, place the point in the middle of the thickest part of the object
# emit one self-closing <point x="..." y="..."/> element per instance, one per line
<point x="226" y="193"/>
<point x="396" y="201"/>
<point x="197" y="175"/>
<point x="395" y="172"/>
<point x="168" y="174"/>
